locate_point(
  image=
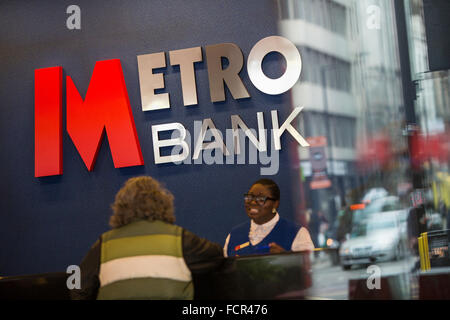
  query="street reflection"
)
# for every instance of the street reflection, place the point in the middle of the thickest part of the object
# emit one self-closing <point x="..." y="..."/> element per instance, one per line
<point x="374" y="182"/>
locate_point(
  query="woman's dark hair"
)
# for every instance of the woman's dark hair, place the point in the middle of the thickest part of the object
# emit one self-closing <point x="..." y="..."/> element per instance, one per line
<point x="271" y="185"/>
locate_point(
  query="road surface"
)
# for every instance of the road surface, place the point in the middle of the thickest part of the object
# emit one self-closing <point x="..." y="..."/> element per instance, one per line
<point x="331" y="282"/>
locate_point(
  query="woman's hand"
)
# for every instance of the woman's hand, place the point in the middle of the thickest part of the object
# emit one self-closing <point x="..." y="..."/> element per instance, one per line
<point x="275" y="248"/>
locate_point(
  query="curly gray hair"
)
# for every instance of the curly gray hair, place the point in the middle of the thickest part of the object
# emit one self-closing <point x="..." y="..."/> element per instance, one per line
<point x="142" y="198"/>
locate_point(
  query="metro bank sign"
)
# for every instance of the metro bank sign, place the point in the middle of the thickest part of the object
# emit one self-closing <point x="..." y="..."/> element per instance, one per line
<point x="106" y="107"/>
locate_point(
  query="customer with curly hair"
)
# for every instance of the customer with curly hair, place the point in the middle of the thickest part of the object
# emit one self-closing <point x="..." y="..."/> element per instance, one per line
<point x="144" y="256"/>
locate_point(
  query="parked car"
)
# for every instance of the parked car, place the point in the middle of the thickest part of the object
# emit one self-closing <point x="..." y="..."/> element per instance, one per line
<point x="379" y="236"/>
<point x="378" y="205"/>
<point x="384" y="204"/>
<point x="374" y="194"/>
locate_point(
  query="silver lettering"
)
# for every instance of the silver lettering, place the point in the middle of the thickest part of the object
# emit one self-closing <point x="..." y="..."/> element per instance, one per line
<point x="180" y="141"/>
<point x="230" y="75"/>
<point x="278" y="131"/>
<point x="148" y="81"/>
<point x="186" y="58"/>
<point x="293" y="65"/>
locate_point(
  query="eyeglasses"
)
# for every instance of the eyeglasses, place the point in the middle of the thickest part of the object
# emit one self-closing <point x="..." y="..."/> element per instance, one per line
<point x="261" y="200"/>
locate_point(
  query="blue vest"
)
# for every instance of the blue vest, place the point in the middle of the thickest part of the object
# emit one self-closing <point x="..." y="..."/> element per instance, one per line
<point x="283" y="233"/>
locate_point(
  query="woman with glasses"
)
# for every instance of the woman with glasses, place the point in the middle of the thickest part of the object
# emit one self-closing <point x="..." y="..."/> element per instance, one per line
<point x="266" y="232"/>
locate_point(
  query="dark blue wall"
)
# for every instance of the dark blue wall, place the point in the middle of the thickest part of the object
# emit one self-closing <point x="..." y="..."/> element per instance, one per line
<point x="50" y="223"/>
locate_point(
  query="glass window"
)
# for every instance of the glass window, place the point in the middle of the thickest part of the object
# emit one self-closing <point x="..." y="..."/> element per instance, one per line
<point x="324" y="13"/>
<point x="388" y="174"/>
<point x="337" y="72"/>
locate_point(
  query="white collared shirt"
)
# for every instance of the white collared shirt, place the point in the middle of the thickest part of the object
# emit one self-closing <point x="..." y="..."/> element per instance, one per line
<point x="258" y="232"/>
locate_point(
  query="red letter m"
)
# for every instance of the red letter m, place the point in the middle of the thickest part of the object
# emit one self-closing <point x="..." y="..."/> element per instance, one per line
<point x="106" y="106"/>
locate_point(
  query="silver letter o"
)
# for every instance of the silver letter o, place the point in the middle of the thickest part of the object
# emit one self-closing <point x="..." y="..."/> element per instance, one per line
<point x="293" y="65"/>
